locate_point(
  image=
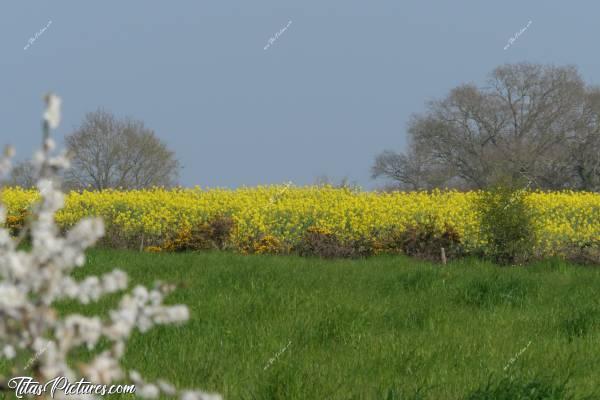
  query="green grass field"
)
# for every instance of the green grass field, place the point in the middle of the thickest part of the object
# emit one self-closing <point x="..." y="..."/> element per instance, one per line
<point x="381" y="328"/>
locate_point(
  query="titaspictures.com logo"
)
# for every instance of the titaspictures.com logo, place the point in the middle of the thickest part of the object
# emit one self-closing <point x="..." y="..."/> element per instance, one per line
<point x="26" y="385"/>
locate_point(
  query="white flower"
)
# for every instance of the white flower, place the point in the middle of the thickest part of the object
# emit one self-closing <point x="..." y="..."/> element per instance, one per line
<point x="166" y="388"/>
<point x="9" y="352"/>
<point x="10" y="296"/>
<point x="114" y="281"/>
<point x="140" y="293"/>
<point x="52" y="114"/>
<point x="179" y="313"/>
<point x="135" y="376"/>
<point x="50" y="144"/>
<point x="103" y="369"/>
<point x="82" y="329"/>
<point x="148" y="391"/>
<point x="31" y="281"/>
<point x="195" y="395"/>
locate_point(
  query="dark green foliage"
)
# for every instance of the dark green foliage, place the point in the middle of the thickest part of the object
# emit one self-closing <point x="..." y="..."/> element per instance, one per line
<point x="506" y="225"/>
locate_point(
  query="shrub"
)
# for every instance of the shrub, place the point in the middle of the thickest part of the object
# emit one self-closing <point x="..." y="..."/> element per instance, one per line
<point x="15" y="223"/>
<point x="323" y="243"/>
<point x="586" y="254"/>
<point x="423" y="242"/>
<point x="153" y="249"/>
<point x="117" y="238"/>
<point x="182" y="241"/>
<point x="214" y="234"/>
<point x="506" y="225"/>
<point x="268" y="244"/>
<point x="220" y="230"/>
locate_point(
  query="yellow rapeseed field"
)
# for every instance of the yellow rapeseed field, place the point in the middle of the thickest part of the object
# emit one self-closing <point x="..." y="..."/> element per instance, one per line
<point x="284" y="213"/>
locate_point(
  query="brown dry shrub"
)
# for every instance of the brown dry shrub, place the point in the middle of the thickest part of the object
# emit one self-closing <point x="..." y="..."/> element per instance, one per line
<point x="424" y="242"/>
<point x="325" y="244"/>
<point x="587" y="254"/>
<point x="221" y="228"/>
<point x="213" y="234"/>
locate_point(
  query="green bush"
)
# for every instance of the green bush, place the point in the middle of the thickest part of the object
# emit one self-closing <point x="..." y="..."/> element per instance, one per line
<point x="506" y="225"/>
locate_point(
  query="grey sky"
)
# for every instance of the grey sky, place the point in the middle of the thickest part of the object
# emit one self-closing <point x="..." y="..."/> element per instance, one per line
<point x="335" y="88"/>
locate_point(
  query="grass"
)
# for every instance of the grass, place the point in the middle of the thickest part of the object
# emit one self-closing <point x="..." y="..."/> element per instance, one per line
<point x="279" y="327"/>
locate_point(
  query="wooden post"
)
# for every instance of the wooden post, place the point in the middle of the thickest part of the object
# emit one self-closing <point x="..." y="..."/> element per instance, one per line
<point x="443" y="256"/>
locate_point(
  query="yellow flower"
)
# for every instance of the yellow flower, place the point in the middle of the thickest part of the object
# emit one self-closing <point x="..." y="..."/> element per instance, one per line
<point x="561" y="218"/>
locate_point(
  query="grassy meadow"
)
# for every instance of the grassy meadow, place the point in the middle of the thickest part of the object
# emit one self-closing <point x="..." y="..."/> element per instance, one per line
<point x="387" y="327"/>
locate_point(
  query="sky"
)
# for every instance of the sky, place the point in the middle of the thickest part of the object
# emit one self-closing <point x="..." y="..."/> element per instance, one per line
<point x="335" y="88"/>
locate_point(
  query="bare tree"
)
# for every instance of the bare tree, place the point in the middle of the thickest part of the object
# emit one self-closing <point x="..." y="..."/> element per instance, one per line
<point x="23" y="175"/>
<point x="530" y="122"/>
<point x="111" y="153"/>
<point x="585" y="146"/>
<point x="412" y="171"/>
